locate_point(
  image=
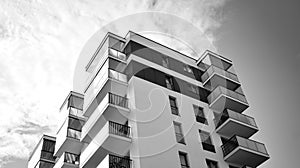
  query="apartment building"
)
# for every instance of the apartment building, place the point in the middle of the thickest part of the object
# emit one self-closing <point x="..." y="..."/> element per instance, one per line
<point x="146" y="105"/>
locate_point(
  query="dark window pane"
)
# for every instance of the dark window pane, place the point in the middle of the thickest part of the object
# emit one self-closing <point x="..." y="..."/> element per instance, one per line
<point x="183" y="160"/>
<point x="206" y="141"/>
<point x="48" y="145"/>
<point x="75" y="123"/>
<point x="173" y="104"/>
<point x="199" y="113"/>
<point x="211" y="163"/>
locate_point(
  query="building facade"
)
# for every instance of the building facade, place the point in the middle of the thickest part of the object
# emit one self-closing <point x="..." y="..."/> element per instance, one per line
<point x="145" y="105"/>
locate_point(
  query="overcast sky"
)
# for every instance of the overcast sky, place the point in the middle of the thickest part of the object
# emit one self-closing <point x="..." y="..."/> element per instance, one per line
<point x="40" y="42"/>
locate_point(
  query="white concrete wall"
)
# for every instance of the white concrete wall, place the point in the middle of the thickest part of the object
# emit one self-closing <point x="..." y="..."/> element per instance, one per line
<point x="35" y="156"/>
<point x="154" y="143"/>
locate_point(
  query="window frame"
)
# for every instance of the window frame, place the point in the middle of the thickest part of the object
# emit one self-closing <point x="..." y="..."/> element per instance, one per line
<point x="199" y="117"/>
<point x="212" y="162"/>
<point x="185" y="155"/>
<point x="179" y="134"/>
<point x="207" y="144"/>
<point x="174" y="108"/>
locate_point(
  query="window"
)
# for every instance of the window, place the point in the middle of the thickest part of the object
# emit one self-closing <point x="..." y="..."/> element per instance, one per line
<point x="211" y="163"/>
<point x="193" y="89"/>
<point x="187" y="68"/>
<point x="183" y="160"/>
<point x="173" y="104"/>
<point x="165" y="61"/>
<point x="199" y="113"/>
<point x="206" y="141"/>
<point x="169" y="82"/>
<point x="178" y="133"/>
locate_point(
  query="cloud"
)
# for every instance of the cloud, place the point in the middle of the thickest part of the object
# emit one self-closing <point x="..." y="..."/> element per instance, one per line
<point x="40" y="42"/>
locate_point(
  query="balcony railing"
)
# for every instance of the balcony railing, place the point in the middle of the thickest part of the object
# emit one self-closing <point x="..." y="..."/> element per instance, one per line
<point x="44" y="164"/>
<point x="73" y="133"/>
<point x="67" y="159"/>
<point x="221" y="90"/>
<point x="237" y="141"/>
<point x="75" y="111"/>
<point x="215" y="70"/>
<point x="100" y="80"/>
<point x="116" y="54"/>
<point x="119" y="129"/>
<point x="119" y="162"/>
<point x="71" y="158"/>
<point x="118" y="100"/>
<point x="117" y="75"/>
<point x="234" y="115"/>
<point x="47" y="155"/>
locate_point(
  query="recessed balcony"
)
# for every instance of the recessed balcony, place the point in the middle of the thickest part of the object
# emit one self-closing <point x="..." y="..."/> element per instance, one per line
<point x="67" y="160"/>
<point x="243" y="151"/>
<point x="231" y="123"/>
<point x="111" y="107"/>
<point x="222" y="98"/>
<point x="68" y="136"/>
<point x="215" y="76"/>
<point x="112" y="138"/>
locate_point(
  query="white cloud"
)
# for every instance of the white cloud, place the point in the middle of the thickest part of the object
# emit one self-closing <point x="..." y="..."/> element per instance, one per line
<point x="39" y="45"/>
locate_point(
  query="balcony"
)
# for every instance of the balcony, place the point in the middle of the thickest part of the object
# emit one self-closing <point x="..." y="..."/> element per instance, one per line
<point x="105" y="79"/>
<point x="111" y="107"/>
<point x="113" y="161"/>
<point x="72" y="105"/>
<point x="221" y="98"/>
<point x="102" y="60"/>
<point x="44" y="164"/>
<point x="47" y="155"/>
<point x="244" y="152"/>
<point x="68" y="136"/>
<point x="112" y="138"/>
<point x="215" y="76"/>
<point x="67" y="160"/>
<point x="209" y="58"/>
<point x="231" y="123"/>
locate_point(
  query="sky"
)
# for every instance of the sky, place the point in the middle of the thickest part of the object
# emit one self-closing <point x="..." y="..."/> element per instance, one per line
<point x="40" y="42"/>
